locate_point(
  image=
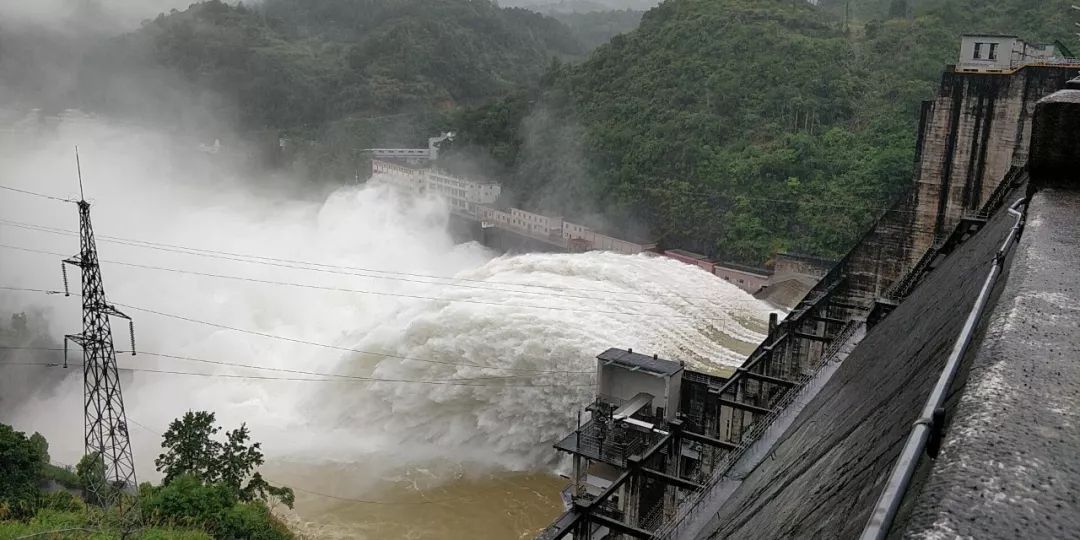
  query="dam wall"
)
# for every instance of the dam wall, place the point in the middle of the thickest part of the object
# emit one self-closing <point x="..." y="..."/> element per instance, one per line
<point x="909" y="279"/>
<point x="501" y="240"/>
<point x="971" y="134"/>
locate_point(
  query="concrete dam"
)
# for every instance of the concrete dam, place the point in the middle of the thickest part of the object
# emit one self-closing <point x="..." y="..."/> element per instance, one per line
<point x="896" y="399"/>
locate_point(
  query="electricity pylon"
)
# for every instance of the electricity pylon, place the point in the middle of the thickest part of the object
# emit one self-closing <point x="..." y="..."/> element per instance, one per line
<point x="105" y="427"/>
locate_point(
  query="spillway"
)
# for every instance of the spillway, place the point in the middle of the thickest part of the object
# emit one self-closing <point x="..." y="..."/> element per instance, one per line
<point x="482" y="360"/>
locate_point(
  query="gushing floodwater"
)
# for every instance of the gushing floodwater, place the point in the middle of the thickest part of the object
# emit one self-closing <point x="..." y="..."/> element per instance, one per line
<point x="504" y="345"/>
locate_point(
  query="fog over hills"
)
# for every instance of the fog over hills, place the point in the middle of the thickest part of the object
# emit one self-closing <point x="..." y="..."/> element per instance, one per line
<point x="105" y="15"/>
<point x="579" y="6"/>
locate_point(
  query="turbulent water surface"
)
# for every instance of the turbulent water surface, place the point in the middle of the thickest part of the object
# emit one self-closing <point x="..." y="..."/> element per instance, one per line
<point x="482" y="360"/>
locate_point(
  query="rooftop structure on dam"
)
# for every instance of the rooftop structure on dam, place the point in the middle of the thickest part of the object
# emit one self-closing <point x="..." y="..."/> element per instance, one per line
<point x="413" y="155"/>
<point x="896" y="398"/>
<point x="478" y="200"/>
<point x="990" y="52"/>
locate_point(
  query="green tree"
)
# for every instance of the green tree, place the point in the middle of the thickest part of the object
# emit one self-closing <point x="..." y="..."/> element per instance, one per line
<point x="91" y="472"/>
<point x="190" y="448"/>
<point x="237" y="459"/>
<point x="41" y="445"/>
<point x="258" y="489"/>
<point x="20" y="467"/>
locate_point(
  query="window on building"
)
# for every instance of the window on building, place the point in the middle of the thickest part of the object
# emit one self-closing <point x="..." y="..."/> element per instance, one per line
<point x="978" y="51"/>
<point x="993" y="51"/>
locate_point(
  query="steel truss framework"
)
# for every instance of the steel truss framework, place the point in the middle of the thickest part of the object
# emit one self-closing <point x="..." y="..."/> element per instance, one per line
<point x="105" y="428"/>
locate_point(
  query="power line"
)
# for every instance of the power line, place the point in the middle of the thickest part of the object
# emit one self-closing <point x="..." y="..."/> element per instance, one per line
<point x="29" y="289"/>
<point x="333" y="347"/>
<point x="329" y="376"/>
<point x="369" y="501"/>
<point x="338" y="375"/>
<point x="293" y="379"/>
<point x="353" y="271"/>
<point x="696" y="189"/>
<point x="290" y="339"/>
<point x="197" y="137"/>
<point x="36" y="194"/>
<point x="350" y="270"/>
<point x="383" y="293"/>
<point x="703" y="191"/>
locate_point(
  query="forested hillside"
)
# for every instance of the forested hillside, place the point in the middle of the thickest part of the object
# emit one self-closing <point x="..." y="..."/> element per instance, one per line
<point x="742" y="127"/>
<point x="594" y="28"/>
<point x="331" y="76"/>
<point x="732" y="127"/>
<point x="580" y="6"/>
<point x="1046" y="20"/>
<point x="337" y="76"/>
<point x="304" y="61"/>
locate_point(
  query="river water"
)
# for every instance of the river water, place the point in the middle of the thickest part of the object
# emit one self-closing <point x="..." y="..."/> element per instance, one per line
<point x="482" y="361"/>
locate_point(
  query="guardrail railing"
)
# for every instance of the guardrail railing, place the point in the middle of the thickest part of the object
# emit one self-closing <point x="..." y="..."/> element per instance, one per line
<point x="933" y="414"/>
<point x="672" y="528"/>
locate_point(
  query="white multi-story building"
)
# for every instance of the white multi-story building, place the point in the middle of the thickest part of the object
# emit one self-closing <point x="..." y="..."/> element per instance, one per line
<point x="537" y="224"/>
<point x="399" y="175"/>
<point x="522" y="221"/>
<point x="580" y="237"/>
<point x="475" y="199"/>
<point x="999" y="52"/>
<point x="463" y="195"/>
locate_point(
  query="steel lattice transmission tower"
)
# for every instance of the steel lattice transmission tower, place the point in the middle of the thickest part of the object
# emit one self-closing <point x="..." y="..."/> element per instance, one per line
<point x="106" y="431"/>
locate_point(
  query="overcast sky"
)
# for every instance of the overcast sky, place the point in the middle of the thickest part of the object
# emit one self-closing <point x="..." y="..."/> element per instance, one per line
<point x="121" y="14"/>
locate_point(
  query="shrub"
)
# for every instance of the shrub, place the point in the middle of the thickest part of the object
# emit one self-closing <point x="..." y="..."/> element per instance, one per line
<point x="61" y="475"/>
<point x="60" y="501"/>
<point x="185" y="501"/>
<point x="252" y="521"/>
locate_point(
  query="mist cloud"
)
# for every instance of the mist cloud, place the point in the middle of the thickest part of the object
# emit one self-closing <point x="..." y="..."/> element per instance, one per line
<point x="151" y="186"/>
<point x="140" y="129"/>
<point x="104" y="16"/>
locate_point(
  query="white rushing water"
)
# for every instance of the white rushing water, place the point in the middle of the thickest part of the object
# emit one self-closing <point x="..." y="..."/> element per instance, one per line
<point x="518" y="334"/>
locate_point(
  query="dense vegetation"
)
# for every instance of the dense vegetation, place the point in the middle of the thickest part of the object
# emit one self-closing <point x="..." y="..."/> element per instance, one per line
<point x="741" y="127"/>
<point x="337" y="76"/>
<point x="580" y="6"/>
<point x="210" y="491"/>
<point x="289" y="63"/>
<point x="594" y="28"/>
<point x="732" y="127"/>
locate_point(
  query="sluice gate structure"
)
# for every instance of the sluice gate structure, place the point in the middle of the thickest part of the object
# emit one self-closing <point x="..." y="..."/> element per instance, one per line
<point x="803" y="438"/>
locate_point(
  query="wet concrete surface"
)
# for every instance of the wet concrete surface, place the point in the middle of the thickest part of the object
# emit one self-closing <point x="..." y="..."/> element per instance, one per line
<point x="824" y="476"/>
<point x="1010" y="463"/>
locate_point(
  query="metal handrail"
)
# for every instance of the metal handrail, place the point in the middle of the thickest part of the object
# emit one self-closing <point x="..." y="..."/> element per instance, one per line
<point x="752" y="434"/>
<point x="877" y="528"/>
<point x="1003" y="188"/>
<point x="903" y="286"/>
